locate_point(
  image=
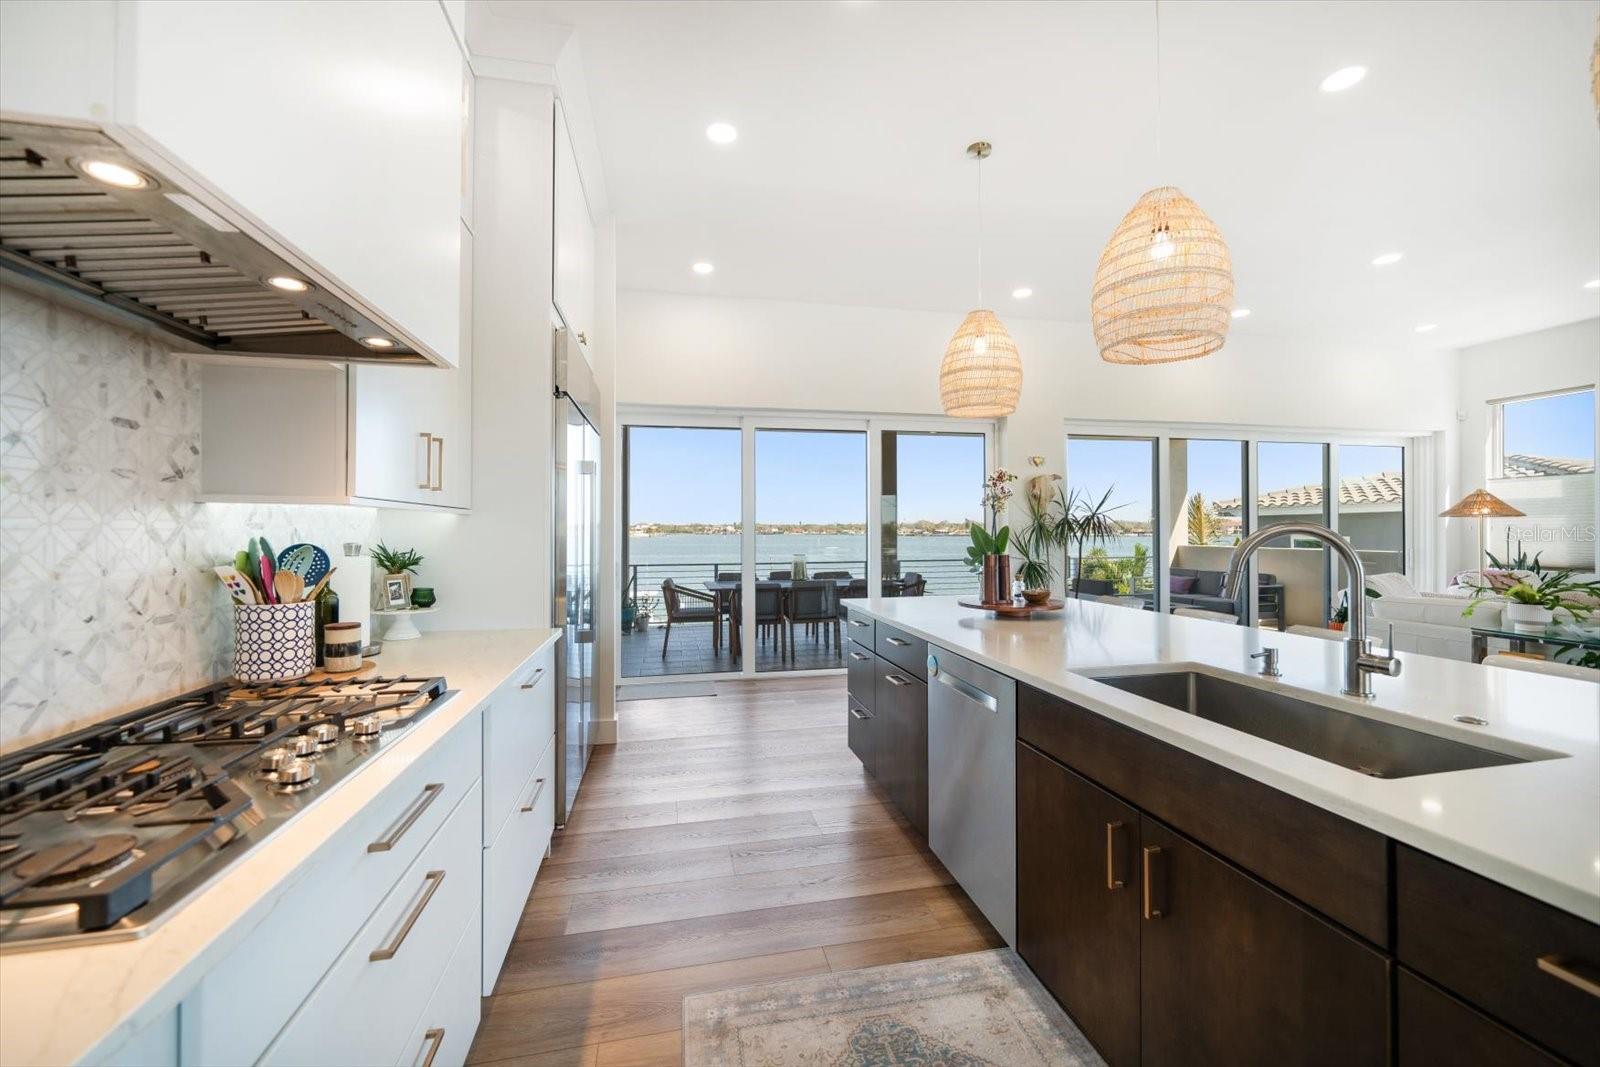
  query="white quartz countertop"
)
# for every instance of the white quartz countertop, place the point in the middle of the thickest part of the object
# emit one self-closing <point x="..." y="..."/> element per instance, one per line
<point x="1533" y="826"/>
<point x="64" y="1005"/>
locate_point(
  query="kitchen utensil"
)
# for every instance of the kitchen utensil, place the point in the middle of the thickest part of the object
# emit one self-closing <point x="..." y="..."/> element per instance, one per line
<point x="307" y="560"/>
<point x="269" y="589"/>
<point x="238" y="585"/>
<point x="316" y="590"/>
<point x="288" y="587"/>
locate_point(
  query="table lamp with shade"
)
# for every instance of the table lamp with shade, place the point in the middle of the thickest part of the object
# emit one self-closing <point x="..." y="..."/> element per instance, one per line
<point x="1481" y="505"/>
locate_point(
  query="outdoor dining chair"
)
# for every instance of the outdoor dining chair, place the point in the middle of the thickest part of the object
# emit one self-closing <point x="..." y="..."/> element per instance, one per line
<point x="689" y="605"/>
<point x="816" y="606"/>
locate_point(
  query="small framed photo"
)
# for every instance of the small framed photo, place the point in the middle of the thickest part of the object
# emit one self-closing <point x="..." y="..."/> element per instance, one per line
<point x="394" y="593"/>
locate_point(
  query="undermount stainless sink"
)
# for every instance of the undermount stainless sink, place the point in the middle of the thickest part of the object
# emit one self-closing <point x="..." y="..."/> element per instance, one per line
<point x="1362" y="744"/>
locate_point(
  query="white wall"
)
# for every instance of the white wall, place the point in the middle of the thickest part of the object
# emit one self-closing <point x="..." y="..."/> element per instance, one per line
<point x="700" y="351"/>
<point x="1562" y="357"/>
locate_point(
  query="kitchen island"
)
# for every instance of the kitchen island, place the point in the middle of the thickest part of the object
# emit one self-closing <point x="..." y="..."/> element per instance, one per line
<point x="1462" y="901"/>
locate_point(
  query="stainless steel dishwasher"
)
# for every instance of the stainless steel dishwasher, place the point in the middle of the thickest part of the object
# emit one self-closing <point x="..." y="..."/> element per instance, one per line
<point x="972" y="782"/>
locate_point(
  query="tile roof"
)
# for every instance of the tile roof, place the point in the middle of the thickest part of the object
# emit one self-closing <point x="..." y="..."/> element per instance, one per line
<point x="1524" y="466"/>
<point x="1385" y="488"/>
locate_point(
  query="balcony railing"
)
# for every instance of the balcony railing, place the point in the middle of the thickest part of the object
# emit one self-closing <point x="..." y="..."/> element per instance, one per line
<point x="944" y="576"/>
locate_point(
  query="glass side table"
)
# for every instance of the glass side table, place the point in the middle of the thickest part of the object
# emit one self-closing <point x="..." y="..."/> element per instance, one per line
<point x="1563" y="635"/>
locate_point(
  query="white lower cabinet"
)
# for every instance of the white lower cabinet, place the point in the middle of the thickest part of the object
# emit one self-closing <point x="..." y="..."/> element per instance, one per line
<point x="512" y="862"/>
<point x="362" y="1010"/>
<point x="518" y="722"/>
<point x="443" y="1034"/>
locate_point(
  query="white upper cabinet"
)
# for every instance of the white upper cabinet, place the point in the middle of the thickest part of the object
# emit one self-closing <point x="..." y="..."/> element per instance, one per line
<point x="339" y="126"/>
<point x="574" y="240"/>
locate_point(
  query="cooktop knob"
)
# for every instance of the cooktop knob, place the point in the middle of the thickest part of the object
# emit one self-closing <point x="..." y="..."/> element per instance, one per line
<point x="273" y="758"/>
<point x="324" y="733"/>
<point x="366" y="728"/>
<point x="303" y="745"/>
<point x="295" y="772"/>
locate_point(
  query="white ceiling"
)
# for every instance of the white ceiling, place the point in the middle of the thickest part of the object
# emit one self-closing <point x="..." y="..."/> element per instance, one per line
<point x="1471" y="146"/>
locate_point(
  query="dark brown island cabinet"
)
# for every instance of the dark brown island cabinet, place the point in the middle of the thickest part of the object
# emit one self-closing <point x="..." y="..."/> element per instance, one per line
<point x="888" y="709"/>
<point x="1185" y="914"/>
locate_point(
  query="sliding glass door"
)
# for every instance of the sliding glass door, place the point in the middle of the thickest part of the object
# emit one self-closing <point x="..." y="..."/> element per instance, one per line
<point x="1293" y="487"/>
<point x="811" y="544"/>
<point x="1205" y="517"/>
<point x="932" y="489"/>
<point x="1114" y="477"/>
<point x="1372" y="505"/>
<point x="680" y="543"/>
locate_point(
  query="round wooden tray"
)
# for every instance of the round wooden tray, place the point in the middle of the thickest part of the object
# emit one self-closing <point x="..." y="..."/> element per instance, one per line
<point x="1009" y="609"/>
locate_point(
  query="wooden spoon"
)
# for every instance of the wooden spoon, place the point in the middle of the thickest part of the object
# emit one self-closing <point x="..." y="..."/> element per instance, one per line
<point x="289" y="586"/>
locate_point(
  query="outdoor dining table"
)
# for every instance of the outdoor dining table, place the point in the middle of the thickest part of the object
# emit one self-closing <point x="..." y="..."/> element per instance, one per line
<point x="723" y="589"/>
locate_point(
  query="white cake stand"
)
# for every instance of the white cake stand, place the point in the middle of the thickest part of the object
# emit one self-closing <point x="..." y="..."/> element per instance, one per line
<point x="402" y="628"/>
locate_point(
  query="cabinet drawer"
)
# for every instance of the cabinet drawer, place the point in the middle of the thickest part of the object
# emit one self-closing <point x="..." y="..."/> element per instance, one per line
<point x="443" y="1034"/>
<point x="512" y="862"/>
<point x="1330" y="863"/>
<point x="860" y="664"/>
<point x="1434" y="1027"/>
<point x="860" y="627"/>
<point x="364" y="1009"/>
<point x="859" y="732"/>
<point x="234" y="1012"/>
<point x="517" y="724"/>
<point x="1517" y="959"/>
<point x="904" y="651"/>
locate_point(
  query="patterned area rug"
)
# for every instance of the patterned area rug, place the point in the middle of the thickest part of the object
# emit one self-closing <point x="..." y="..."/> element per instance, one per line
<point x="983" y="1009"/>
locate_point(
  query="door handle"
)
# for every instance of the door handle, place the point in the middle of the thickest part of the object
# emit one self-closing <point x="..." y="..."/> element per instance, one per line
<point x="858" y="655"/>
<point x="430" y="793"/>
<point x="968" y="690"/>
<point x="538" y="789"/>
<point x="1571" y="972"/>
<point x="533" y="679"/>
<point x="435" y="879"/>
<point x="857" y="713"/>
<point x="1155" y="905"/>
<point x="1114" y="855"/>
<point x="898" y="642"/>
<point x="858" y="622"/>
<point x="896" y="680"/>
<point x="427" y="461"/>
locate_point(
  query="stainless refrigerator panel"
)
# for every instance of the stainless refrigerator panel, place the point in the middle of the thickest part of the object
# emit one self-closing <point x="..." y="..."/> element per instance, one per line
<point x="575" y="559"/>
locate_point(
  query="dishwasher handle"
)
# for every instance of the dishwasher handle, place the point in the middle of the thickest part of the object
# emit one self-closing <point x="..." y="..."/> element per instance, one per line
<point x="962" y="686"/>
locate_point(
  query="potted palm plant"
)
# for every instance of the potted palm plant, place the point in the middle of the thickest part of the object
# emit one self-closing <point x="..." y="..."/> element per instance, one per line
<point x="1087" y="521"/>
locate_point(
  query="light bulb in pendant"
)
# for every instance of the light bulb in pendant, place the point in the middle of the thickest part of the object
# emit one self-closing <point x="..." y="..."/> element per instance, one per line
<point x="980" y="345"/>
<point x="1161" y="244"/>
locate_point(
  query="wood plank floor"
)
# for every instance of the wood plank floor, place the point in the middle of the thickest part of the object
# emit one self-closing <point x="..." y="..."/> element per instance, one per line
<point x="723" y="841"/>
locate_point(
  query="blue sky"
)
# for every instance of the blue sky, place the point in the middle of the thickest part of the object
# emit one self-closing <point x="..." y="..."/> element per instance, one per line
<point x="685" y="474"/>
<point x="1557" y="426"/>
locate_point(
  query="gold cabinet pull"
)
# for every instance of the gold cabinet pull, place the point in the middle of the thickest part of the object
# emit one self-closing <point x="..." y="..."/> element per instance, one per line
<point x="539" y="788"/>
<point x="430" y="793"/>
<point x="1571" y="972"/>
<point x="427" y="461"/>
<point x="1113" y="863"/>
<point x="435" y="1038"/>
<point x="438" y="484"/>
<point x="1154" y="905"/>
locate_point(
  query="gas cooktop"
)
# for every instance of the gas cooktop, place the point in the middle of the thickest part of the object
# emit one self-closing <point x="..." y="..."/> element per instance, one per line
<point x="105" y="830"/>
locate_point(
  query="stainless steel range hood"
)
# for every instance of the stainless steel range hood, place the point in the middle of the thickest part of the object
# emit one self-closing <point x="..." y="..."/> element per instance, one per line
<point x="164" y="256"/>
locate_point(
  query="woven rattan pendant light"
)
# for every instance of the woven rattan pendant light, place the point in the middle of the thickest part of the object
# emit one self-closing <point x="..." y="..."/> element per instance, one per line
<point x="1163" y="291"/>
<point x="981" y="375"/>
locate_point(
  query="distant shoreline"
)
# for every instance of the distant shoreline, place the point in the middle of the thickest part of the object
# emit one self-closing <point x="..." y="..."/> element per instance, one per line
<point x="921" y="528"/>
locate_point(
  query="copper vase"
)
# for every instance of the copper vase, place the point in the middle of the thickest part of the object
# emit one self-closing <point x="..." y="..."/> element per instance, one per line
<point x="996" y="579"/>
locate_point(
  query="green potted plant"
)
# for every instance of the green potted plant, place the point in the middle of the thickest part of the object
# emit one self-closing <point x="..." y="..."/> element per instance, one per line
<point x="987" y="556"/>
<point x="395" y="564"/>
<point x="1035" y="540"/>
<point x="1532" y="605"/>
<point x="630" y="609"/>
<point x="1086" y="522"/>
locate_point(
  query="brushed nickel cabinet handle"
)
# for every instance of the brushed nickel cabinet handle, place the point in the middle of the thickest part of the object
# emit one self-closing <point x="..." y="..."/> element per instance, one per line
<point x="1154" y="905"/>
<point x="430" y="793"/>
<point x="538" y="788"/>
<point x="427" y="461"/>
<point x="435" y="879"/>
<point x="896" y="680"/>
<point x="863" y="625"/>
<point x="857" y="713"/>
<point x="436" y="1038"/>
<point x="898" y="642"/>
<point x="583" y="338"/>
<point x="858" y="655"/>
<point x="533" y="679"/>
<point x="1571" y="972"/>
<point x="438" y="485"/>
<point x="1113" y="862"/>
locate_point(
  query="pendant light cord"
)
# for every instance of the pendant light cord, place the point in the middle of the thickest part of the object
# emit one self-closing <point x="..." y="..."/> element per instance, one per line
<point x="1159" y="123"/>
<point x="980" y="231"/>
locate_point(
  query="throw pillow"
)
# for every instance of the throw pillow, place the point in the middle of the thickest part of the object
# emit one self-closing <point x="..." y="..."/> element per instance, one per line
<point x="1180" y="583"/>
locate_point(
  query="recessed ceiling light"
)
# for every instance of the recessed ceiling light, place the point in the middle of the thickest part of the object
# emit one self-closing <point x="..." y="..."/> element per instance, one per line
<point x="1387" y="258"/>
<point x="288" y="284"/>
<point x="377" y="342"/>
<point x="1241" y="313"/>
<point x="1594" y="284"/>
<point x="1021" y="294"/>
<point x="1342" y="79"/>
<point x="722" y="133"/>
<point x="702" y="268"/>
<point x="1427" y="327"/>
<point x="103" y="170"/>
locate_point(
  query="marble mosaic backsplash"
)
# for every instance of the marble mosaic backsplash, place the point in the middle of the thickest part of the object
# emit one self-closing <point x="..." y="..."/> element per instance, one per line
<point x="107" y="600"/>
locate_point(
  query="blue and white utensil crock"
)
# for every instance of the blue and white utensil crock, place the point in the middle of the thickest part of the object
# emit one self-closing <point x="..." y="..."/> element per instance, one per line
<point x="274" y="642"/>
